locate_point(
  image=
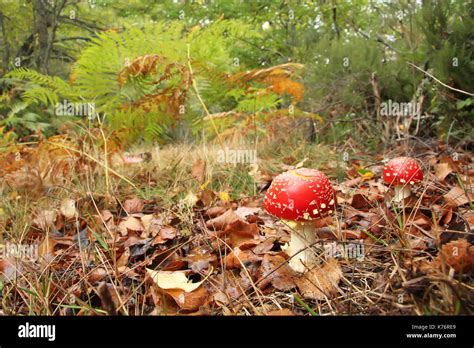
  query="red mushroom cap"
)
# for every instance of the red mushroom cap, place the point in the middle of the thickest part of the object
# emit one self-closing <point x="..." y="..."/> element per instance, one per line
<point x="300" y="194"/>
<point x="401" y="171"/>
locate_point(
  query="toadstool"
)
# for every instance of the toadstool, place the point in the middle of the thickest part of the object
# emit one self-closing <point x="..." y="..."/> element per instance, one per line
<point x="301" y="195"/>
<point x="402" y="172"/>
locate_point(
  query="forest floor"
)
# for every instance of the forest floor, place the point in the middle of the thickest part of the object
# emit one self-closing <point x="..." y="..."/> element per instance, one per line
<point x="174" y="231"/>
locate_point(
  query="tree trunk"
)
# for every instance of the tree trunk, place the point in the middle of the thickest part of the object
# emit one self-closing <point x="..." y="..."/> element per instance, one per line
<point x="46" y="23"/>
<point x="6" y="46"/>
<point x="41" y="15"/>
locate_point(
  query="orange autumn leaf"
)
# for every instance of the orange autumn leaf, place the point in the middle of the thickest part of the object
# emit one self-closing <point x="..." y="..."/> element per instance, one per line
<point x="278" y="79"/>
<point x="142" y="65"/>
<point x="320" y="282"/>
<point x="189" y="301"/>
<point x="458" y="254"/>
<point x="168" y="98"/>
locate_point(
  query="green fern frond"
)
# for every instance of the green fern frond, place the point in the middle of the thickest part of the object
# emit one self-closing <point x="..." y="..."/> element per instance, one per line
<point x="153" y="131"/>
<point x="42" y="89"/>
<point x="16" y="108"/>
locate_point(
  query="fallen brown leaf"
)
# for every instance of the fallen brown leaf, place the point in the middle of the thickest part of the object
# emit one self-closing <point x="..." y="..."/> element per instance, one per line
<point x="154" y="225"/>
<point x="134" y="205"/>
<point x="452" y="163"/>
<point x="359" y="201"/>
<point x="343" y="186"/>
<point x="323" y="222"/>
<point x="275" y="271"/>
<point x="415" y="239"/>
<point x="442" y="170"/>
<point x="447" y="216"/>
<point x="220" y="222"/>
<point x="198" y="170"/>
<point x="173" y="280"/>
<point x="281" y="312"/>
<point x="215" y="211"/>
<point x="108" y="297"/>
<point x="130" y="224"/>
<point x="189" y="301"/>
<point x="106" y="215"/>
<point x="166" y="233"/>
<point x="44" y="219"/>
<point x="421" y="220"/>
<point x="377" y="224"/>
<point x="220" y="298"/>
<point x="265" y="247"/>
<point x="240" y="232"/>
<point x="320" y="282"/>
<point x="175" y="265"/>
<point x="200" y="259"/>
<point x="123" y="259"/>
<point x="458" y="254"/>
<point x="46" y="248"/>
<point x="230" y="284"/>
<point x="9" y="270"/>
<point x="469" y="216"/>
<point x="207" y="197"/>
<point x="240" y="258"/>
<point x="146" y="222"/>
<point x="97" y="275"/>
<point x="243" y="212"/>
<point x="456" y="197"/>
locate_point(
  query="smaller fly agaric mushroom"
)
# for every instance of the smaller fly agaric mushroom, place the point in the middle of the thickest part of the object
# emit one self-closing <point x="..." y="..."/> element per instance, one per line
<point x="402" y="172"/>
<point x="301" y="195"/>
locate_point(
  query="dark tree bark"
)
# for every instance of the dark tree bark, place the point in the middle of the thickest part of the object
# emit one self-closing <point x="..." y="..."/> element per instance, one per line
<point x="334" y="19"/>
<point x="46" y="14"/>
<point x="41" y="15"/>
<point x="6" y="46"/>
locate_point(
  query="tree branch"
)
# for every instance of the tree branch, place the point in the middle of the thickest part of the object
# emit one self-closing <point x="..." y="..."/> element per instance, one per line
<point x="73" y="38"/>
<point x="440" y="82"/>
<point x="79" y="23"/>
<point x="54" y="26"/>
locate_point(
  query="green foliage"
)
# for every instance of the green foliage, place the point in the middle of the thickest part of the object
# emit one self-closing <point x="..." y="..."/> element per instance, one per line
<point x="98" y="67"/>
<point x="28" y="120"/>
<point x="96" y="73"/>
<point x="133" y="126"/>
<point x="209" y="54"/>
<point x="343" y="67"/>
<point x="254" y="103"/>
<point x="434" y="35"/>
<point x="42" y="89"/>
<point x="39" y="94"/>
<point x="447" y="27"/>
<point x="341" y="44"/>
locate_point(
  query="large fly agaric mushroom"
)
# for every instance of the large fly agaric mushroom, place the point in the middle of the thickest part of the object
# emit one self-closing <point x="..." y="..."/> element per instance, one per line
<point x="301" y="195"/>
<point x="402" y="172"/>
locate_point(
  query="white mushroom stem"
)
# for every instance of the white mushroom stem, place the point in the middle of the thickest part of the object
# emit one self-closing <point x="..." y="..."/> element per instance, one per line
<point x="401" y="192"/>
<point x="302" y="237"/>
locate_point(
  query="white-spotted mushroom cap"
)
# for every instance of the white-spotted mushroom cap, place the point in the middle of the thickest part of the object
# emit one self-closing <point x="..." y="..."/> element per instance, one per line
<point x="300" y="194"/>
<point x="402" y="171"/>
